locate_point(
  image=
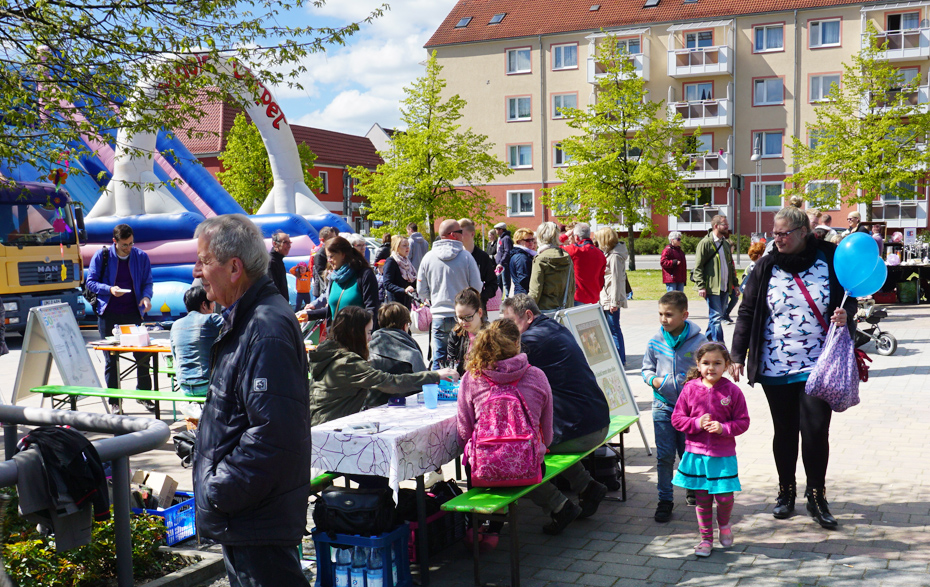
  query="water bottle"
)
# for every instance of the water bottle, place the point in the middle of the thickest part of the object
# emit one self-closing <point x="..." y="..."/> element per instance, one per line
<point x="359" y="566"/>
<point x="375" y="566"/>
<point x="343" y="562"/>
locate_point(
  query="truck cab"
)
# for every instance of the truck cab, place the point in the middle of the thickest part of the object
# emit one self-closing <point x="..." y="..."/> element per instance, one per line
<point x="40" y="257"/>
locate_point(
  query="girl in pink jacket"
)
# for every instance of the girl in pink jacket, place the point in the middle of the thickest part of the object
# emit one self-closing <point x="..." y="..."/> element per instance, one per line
<point x="711" y="411"/>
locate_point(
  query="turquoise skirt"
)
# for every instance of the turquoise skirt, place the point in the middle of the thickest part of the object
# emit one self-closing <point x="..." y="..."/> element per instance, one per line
<point x="711" y="474"/>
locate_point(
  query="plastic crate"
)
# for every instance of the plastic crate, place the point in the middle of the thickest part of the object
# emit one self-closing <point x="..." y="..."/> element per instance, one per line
<point x="885" y="297"/>
<point x="179" y="518"/>
<point x="443" y="530"/>
<point x="395" y="541"/>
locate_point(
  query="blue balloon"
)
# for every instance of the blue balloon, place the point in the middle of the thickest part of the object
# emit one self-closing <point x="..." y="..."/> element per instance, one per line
<point x="855" y="259"/>
<point x="872" y="283"/>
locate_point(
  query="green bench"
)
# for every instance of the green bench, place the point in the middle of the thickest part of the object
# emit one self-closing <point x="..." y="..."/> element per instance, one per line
<point x="500" y="503"/>
<point x="74" y="392"/>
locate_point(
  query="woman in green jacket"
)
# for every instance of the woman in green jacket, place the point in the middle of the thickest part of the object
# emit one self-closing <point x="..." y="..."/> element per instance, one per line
<point x="342" y="376"/>
<point x="552" y="281"/>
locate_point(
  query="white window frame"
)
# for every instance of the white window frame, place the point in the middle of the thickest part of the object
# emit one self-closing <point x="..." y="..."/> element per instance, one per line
<point x="902" y="15"/>
<point x="765" y="155"/>
<point x="556" y="115"/>
<point x="510" y="211"/>
<point x="836" y="207"/>
<point x="515" y="150"/>
<point x="625" y="44"/>
<point x="696" y="85"/>
<point x="757" y="95"/>
<point x="765" y="34"/>
<point x="818" y="42"/>
<point x="558" y="54"/>
<point x="324" y="177"/>
<point x="513" y="115"/>
<point x="697" y="39"/>
<point x="762" y="185"/>
<point x="822" y="86"/>
<point x="529" y="60"/>
<point x="559" y="157"/>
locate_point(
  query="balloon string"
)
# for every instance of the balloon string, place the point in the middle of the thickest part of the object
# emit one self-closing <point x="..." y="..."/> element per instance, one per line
<point x="845" y="295"/>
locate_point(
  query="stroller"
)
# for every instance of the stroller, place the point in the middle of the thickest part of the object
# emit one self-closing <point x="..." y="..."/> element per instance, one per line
<point x="867" y="328"/>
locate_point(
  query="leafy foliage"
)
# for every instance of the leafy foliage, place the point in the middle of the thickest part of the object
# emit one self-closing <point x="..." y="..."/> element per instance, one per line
<point x="78" y="68"/>
<point x="869" y="136"/>
<point x="247" y="176"/>
<point x="433" y="169"/>
<point x="629" y="160"/>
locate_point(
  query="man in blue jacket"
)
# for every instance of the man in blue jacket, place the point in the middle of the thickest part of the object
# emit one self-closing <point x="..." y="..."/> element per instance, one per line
<point x="252" y="456"/>
<point x="580" y="416"/>
<point x="124" y="296"/>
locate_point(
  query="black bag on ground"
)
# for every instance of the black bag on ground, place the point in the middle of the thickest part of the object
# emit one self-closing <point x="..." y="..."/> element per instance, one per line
<point x="361" y="512"/>
<point x="184" y="446"/>
<point x="90" y="296"/>
<point x="604" y="466"/>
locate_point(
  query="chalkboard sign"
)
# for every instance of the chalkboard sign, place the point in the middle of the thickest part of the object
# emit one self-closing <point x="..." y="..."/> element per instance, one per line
<point x="52" y="333"/>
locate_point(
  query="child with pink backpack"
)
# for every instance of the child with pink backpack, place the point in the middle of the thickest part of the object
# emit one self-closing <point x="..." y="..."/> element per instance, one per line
<point x="504" y="411"/>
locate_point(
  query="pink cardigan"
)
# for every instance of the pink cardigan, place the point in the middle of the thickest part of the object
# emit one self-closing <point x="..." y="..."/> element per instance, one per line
<point x="531" y="382"/>
<point x="725" y="404"/>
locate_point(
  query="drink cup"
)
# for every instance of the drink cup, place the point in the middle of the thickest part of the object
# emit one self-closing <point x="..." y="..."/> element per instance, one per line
<point x="431" y="395"/>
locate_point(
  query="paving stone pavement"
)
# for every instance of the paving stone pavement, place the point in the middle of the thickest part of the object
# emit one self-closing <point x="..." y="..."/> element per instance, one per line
<point x="877" y="484"/>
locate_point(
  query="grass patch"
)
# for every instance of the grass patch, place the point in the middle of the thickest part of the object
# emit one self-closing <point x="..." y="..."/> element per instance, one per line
<point x="647" y="285"/>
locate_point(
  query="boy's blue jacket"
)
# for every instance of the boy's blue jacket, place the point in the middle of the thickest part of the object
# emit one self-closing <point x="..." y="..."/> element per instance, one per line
<point x="671" y="364"/>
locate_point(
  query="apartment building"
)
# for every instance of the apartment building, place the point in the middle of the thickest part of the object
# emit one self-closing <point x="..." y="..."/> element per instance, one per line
<point x="736" y="69"/>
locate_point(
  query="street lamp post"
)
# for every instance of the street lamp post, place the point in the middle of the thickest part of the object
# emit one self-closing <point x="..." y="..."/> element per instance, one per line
<point x="757" y="192"/>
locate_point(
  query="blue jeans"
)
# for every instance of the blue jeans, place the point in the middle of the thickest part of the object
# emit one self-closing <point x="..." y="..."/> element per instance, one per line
<point x="614" y="321"/>
<point x="668" y="442"/>
<point x="676" y="286"/>
<point x="733" y="298"/>
<point x="716" y="304"/>
<point x="439" y="335"/>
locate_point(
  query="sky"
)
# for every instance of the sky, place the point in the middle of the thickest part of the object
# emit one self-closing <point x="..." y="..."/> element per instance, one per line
<point x="349" y="88"/>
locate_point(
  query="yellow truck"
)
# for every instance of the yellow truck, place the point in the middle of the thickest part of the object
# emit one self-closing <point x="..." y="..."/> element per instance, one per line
<point x="40" y="256"/>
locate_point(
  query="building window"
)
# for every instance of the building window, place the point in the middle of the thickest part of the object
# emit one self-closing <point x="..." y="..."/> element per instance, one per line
<point x="821" y="84"/>
<point x="518" y="60"/>
<point x="565" y="56"/>
<point x="701" y="196"/>
<point x="825" y="33"/>
<point x="771" y="143"/>
<point x="701" y="144"/>
<point x="909" y="77"/>
<point x="768" y="91"/>
<point x="698" y="92"/>
<point x="518" y="109"/>
<point x="905" y="191"/>
<point x="520" y="156"/>
<point x="769" y="38"/>
<point x="906" y="21"/>
<point x="324" y="177"/>
<point x="767" y="195"/>
<point x="520" y="203"/>
<point x="825" y="191"/>
<point x="559" y="157"/>
<point x="632" y="46"/>
<point x="698" y="39"/>
<point x="462" y="23"/>
<point x="560" y="101"/>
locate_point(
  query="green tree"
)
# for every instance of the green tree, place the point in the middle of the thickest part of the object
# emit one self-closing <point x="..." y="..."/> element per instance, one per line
<point x="629" y="160"/>
<point x="869" y="137"/>
<point x="433" y="169"/>
<point x="247" y="169"/>
<point x="98" y="53"/>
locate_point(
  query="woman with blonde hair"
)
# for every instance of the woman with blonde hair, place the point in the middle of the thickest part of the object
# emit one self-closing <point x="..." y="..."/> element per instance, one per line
<point x="552" y="280"/>
<point x="400" y="277"/>
<point x="521" y="259"/>
<point x="613" y="295"/>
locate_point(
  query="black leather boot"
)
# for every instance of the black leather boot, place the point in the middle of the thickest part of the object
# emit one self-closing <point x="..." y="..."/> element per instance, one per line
<point x="784" y="504"/>
<point x="817" y="506"/>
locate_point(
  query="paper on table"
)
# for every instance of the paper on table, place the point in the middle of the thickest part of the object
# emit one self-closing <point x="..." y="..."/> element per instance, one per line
<point x="118" y="289"/>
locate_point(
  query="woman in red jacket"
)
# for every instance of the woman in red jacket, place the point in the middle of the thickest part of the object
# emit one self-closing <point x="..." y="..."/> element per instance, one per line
<point x="674" y="264"/>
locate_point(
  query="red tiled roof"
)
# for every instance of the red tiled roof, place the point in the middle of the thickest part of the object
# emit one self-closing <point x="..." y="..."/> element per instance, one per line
<point x="542" y="17"/>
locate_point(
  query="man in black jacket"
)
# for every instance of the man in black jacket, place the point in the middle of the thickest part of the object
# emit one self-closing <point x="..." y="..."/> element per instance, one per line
<point x="502" y="256"/>
<point x="252" y="456"/>
<point x="580" y="416"/>
<point x="280" y="247"/>
<point x="484" y="261"/>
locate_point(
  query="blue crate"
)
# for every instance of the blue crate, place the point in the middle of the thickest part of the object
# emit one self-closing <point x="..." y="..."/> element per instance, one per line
<point x="179" y="518"/>
<point x="395" y="540"/>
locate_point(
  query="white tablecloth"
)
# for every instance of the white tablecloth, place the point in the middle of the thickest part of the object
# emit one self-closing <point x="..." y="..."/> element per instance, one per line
<point x="412" y="440"/>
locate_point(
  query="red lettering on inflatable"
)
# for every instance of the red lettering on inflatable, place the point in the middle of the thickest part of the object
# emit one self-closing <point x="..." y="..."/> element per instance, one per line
<point x="266" y="96"/>
<point x="277" y="120"/>
<point x="272" y="110"/>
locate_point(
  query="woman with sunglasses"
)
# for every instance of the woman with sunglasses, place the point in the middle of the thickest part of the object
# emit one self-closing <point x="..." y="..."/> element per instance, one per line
<point x="780" y="333"/>
<point x="470" y="319"/>
<point x="521" y="260"/>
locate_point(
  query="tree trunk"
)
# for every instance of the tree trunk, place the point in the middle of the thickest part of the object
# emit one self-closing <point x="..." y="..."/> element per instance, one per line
<point x="431" y="230"/>
<point x="868" y="211"/>
<point x="629" y="239"/>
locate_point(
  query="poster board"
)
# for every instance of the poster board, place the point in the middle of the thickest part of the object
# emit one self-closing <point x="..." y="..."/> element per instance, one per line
<point x="910" y="236"/>
<point x="52" y="334"/>
<point x="589" y="327"/>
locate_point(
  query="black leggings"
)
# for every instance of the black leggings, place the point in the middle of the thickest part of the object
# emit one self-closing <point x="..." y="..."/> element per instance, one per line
<point x="794" y="412"/>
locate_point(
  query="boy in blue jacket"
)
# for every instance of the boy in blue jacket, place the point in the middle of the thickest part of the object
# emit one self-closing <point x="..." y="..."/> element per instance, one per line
<point x="669" y="355"/>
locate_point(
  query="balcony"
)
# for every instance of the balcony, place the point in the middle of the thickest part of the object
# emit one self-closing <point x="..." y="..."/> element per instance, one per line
<point x="919" y="96"/>
<point x="640" y="64"/>
<point x="700" y="61"/>
<point x="708" y="165"/>
<point x="703" y="113"/>
<point x="901" y="213"/>
<point x="697" y="218"/>
<point x="902" y="45"/>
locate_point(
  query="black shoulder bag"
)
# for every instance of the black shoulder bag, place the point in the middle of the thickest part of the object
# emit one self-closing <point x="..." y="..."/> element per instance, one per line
<point x="360" y="512"/>
<point x="90" y="296"/>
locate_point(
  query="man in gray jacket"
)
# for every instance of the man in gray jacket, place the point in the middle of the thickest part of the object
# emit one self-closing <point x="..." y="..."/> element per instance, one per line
<point x="418" y="245"/>
<point x="445" y="271"/>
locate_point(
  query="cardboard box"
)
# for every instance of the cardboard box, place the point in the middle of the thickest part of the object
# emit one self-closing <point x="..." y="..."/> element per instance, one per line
<point x="134" y="336"/>
<point x="163" y="486"/>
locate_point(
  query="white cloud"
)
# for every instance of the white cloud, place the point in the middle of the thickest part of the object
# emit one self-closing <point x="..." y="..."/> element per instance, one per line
<point x="354" y="112"/>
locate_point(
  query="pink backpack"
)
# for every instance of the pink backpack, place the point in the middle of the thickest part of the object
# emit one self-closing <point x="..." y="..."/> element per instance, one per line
<point x="504" y="447"/>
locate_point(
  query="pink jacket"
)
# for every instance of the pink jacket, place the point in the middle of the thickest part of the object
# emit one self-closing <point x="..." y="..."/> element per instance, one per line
<point x="725" y="404"/>
<point x="531" y="382"/>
